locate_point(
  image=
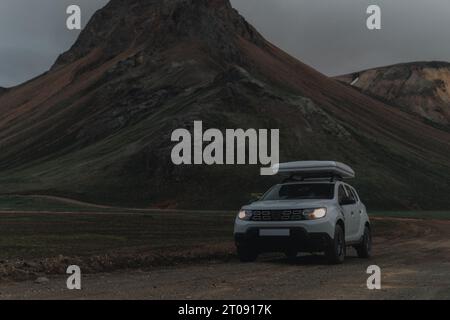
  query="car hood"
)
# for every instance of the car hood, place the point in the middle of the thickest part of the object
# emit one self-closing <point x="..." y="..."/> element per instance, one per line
<point x="288" y="204"/>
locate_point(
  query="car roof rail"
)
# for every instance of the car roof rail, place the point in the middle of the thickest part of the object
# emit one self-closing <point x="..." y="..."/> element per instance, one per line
<point x="313" y="177"/>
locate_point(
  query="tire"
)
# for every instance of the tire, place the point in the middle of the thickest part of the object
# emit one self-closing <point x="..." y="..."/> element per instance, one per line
<point x="364" y="249"/>
<point x="291" y="255"/>
<point x="335" y="253"/>
<point x="247" y="253"/>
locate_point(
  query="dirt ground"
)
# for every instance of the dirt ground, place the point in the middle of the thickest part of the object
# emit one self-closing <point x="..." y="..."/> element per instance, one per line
<point x="414" y="259"/>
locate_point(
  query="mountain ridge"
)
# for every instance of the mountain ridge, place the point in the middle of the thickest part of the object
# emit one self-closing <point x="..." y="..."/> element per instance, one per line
<point x="97" y="126"/>
<point x="421" y="88"/>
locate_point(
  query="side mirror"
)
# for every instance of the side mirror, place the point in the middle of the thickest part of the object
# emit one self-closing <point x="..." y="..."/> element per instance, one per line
<point x="255" y="197"/>
<point x="347" y="202"/>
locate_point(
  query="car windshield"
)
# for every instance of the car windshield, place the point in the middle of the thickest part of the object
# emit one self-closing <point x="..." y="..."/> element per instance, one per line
<point x="301" y="191"/>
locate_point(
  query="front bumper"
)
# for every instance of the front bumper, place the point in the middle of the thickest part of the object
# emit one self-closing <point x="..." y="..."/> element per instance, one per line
<point x="325" y="225"/>
<point x="299" y="240"/>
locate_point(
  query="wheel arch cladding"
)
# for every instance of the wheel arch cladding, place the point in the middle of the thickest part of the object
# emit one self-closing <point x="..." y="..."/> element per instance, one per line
<point x="341" y="223"/>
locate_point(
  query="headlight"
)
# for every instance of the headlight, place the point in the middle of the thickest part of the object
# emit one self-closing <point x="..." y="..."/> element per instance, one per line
<point x="245" y="214"/>
<point x="313" y="214"/>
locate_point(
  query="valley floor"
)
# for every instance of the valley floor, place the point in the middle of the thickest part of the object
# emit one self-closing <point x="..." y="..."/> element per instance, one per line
<point x="414" y="257"/>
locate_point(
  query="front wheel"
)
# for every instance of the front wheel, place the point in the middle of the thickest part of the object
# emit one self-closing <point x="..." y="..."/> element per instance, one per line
<point x="336" y="251"/>
<point x="247" y="253"/>
<point x="364" y="249"/>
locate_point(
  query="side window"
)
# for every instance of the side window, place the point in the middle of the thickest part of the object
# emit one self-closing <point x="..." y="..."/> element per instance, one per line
<point x="351" y="195"/>
<point x="355" y="194"/>
<point x="342" y="194"/>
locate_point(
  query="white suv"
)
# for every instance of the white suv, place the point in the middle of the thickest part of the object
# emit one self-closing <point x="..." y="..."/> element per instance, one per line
<point x="314" y="210"/>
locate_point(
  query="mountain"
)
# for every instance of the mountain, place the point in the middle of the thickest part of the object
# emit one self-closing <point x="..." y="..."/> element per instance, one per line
<point x="97" y="126"/>
<point x="421" y="88"/>
<point x="2" y="90"/>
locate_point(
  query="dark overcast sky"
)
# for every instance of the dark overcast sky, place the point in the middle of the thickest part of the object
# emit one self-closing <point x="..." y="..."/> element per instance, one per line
<point x="330" y="35"/>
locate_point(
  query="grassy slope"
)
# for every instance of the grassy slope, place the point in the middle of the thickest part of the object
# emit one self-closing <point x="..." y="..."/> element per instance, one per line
<point x="28" y="203"/>
<point x="117" y="171"/>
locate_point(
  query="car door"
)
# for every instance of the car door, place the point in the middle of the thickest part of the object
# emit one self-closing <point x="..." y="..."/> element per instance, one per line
<point x="361" y="209"/>
<point x="356" y="212"/>
<point x="348" y="212"/>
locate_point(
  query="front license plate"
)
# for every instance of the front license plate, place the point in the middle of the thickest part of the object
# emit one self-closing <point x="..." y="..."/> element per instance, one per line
<point x="274" y="232"/>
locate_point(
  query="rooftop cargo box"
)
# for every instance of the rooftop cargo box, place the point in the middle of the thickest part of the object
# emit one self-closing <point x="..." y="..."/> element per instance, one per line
<point x="315" y="169"/>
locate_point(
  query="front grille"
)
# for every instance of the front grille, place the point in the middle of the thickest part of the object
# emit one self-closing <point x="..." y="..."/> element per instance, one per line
<point x="277" y="215"/>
